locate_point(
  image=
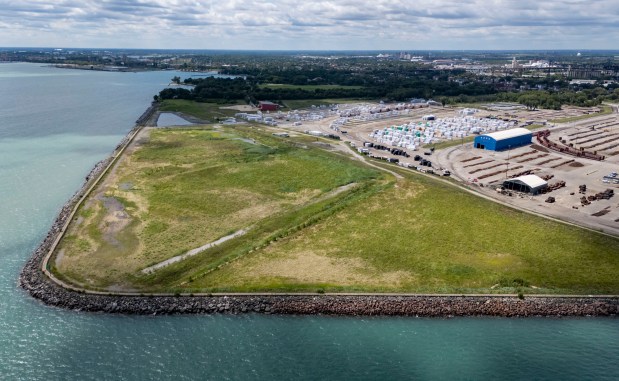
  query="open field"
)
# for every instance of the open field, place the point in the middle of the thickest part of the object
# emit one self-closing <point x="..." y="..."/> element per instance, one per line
<point x="183" y="188"/>
<point x="450" y="143"/>
<point x="420" y="235"/>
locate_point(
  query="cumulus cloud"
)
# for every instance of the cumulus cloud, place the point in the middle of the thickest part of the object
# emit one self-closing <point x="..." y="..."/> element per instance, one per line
<point x="321" y="24"/>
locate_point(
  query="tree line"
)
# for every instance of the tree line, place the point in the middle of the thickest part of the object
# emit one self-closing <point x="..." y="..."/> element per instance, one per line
<point x="388" y="81"/>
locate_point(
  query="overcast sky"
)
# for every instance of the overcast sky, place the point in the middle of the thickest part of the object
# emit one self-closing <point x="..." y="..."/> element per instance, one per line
<point x="307" y="24"/>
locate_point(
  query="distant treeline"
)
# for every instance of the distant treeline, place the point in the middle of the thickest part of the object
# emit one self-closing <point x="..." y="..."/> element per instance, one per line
<point x="387" y="81"/>
<point x="546" y="99"/>
<point x="389" y="87"/>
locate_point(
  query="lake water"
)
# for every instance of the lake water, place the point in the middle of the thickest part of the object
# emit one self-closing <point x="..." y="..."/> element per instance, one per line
<point x="55" y="124"/>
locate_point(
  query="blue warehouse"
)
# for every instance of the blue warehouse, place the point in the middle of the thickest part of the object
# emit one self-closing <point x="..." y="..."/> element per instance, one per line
<point x="502" y="140"/>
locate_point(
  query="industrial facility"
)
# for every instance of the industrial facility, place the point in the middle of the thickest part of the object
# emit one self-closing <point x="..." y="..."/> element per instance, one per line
<point x="526" y="184"/>
<point x="502" y="140"/>
<point x="267" y="106"/>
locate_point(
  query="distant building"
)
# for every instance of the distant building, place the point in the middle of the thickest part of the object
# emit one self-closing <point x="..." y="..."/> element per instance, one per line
<point x="506" y="139"/>
<point x="267" y="106"/>
<point x="583" y="82"/>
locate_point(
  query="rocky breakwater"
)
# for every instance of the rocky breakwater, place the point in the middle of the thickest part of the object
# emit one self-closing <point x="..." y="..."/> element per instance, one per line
<point x="445" y="306"/>
<point x="149" y="117"/>
<point x="35" y="282"/>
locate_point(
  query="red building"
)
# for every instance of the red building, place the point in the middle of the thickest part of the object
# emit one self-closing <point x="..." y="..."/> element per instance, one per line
<point x="267" y="106"/>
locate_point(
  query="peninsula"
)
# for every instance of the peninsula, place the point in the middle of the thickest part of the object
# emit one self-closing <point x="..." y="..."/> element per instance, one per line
<point x="299" y="211"/>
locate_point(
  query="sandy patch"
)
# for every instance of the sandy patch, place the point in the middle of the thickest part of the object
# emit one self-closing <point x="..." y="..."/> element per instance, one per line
<point x="243" y="108"/>
<point x="406" y="190"/>
<point x="311" y="267"/>
<point x="59" y="258"/>
<point x="256" y="212"/>
<point x="115" y="220"/>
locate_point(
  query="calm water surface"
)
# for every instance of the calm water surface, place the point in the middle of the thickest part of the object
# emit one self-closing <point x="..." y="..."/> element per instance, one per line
<point x="167" y="119"/>
<point x="55" y="124"/>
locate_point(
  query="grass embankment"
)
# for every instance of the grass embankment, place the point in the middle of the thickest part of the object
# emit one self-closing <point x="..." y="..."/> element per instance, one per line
<point x="185" y="188"/>
<point x="206" y="111"/>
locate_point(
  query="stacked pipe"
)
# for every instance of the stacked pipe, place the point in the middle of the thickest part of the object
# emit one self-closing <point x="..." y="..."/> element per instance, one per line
<point x="542" y="138"/>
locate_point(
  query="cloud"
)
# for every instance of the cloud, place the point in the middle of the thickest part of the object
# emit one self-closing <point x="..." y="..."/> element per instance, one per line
<point x="321" y="24"/>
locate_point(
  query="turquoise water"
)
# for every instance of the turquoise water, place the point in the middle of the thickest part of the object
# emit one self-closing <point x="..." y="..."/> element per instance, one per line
<point x="56" y="124"/>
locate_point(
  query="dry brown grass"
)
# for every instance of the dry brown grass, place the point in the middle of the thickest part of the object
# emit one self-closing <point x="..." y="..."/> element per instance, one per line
<point x="312" y="267"/>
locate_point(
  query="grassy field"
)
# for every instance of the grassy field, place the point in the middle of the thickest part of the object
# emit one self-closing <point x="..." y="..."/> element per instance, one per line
<point x="184" y="188"/>
<point x="419" y="235"/>
<point x="450" y="143"/>
<point x="205" y="111"/>
<point x="307" y="87"/>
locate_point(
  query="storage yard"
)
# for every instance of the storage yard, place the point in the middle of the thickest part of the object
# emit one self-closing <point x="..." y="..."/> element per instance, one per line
<point x="563" y="198"/>
<point x="566" y="155"/>
<point x="518" y="111"/>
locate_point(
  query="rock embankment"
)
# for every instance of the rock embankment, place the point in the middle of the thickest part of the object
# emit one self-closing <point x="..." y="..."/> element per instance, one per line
<point x="421" y="306"/>
<point x="149" y="117"/>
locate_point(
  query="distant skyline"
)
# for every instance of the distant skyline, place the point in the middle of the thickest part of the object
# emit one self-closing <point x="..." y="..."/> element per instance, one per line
<point x="312" y="25"/>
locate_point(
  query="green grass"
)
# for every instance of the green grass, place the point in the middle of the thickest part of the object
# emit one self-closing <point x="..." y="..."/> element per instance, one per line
<point x="307" y="87"/>
<point x="606" y="110"/>
<point x="438" y="239"/>
<point x="266" y="232"/>
<point x="192" y="186"/>
<point x="205" y="111"/>
<point x="450" y="143"/>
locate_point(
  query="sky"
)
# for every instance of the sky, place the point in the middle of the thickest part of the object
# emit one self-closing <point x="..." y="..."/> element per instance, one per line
<point x="311" y="25"/>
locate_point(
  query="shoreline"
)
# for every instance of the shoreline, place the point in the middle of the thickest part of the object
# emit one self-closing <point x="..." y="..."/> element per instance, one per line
<point x="51" y="292"/>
